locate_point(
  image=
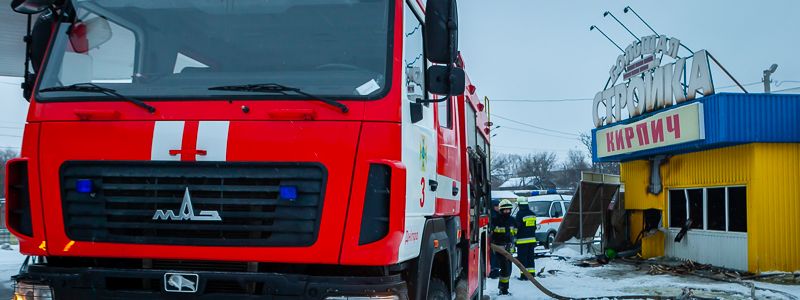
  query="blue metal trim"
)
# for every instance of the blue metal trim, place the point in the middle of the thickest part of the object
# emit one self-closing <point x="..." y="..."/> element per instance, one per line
<point x="730" y="119"/>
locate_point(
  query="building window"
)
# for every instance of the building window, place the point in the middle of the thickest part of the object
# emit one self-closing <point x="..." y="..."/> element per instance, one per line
<point x="715" y="201"/>
<point x="695" y="197"/>
<point x="737" y="209"/>
<point x="677" y="208"/>
<point x="713" y="208"/>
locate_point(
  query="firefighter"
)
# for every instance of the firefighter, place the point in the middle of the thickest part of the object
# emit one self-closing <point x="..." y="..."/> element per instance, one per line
<point x="526" y="237"/>
<point x="503" y="231"/>
<point x="494" y="258"/>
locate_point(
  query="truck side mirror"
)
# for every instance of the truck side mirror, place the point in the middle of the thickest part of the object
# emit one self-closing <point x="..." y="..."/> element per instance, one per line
<point x="30" y="7"/>
<point x="442" y="80"/>
<point x="37" y="45"/>
<point x="441" y="47"/>
<point x="441" y="31"/>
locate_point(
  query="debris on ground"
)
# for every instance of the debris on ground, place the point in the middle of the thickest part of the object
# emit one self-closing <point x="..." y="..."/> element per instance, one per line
<point x="563" y="275"/>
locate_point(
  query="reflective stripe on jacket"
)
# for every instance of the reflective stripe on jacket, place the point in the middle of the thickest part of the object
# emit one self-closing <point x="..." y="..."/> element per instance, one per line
<point x="527" y="225"/>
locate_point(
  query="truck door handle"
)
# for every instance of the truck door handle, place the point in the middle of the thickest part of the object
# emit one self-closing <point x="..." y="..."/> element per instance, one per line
<point x="455" y="190"/>
<point x="433" y="184"/>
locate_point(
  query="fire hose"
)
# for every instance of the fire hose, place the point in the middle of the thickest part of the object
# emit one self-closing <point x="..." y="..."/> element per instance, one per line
<point x="552" y="294"/>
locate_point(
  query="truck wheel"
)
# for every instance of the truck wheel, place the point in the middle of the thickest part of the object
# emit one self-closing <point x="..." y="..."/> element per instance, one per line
<point x="437" y="290"/>
<point x="551" y="237"/>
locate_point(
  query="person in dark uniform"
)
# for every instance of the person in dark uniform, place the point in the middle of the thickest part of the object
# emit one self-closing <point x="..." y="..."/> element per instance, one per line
<point x="503" y="231"/>
<point x="494" y="261"/>
<point x="526" y="237"/>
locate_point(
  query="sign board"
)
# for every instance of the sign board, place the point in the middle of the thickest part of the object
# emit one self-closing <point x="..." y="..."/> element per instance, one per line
<point x="676" y="126"/>
<point x="648" y="85"/>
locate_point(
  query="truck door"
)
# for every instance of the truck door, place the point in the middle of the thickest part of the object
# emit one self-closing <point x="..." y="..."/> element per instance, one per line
<point x="448" y="165"/>
<point x="419" y="151"/>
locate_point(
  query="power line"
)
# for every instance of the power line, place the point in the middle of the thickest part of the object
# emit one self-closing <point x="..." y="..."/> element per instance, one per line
<point x="534" y="126"/>
<point x="541" y="100"/>
<point x="590" y="99"/>
<point x="532" y="149"/>
<point x="8" y="127"/>
<point x="534" y="132"/>
<point x="9" y="135"/>
<point x="786" y="90"/>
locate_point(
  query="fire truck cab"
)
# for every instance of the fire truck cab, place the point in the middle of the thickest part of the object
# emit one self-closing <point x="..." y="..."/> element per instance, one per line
<point x="299" y="149"/>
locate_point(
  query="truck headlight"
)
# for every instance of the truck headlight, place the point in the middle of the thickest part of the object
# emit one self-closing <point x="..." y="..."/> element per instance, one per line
<point x="31" y="291"/>
<point x="391" y="297"/>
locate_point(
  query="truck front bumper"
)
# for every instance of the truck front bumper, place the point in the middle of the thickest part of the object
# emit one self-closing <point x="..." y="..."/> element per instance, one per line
<point x="106" y="283"/>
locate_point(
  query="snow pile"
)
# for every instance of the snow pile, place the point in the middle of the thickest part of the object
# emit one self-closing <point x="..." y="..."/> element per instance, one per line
<point x="572" y="252"/>
<point x="563" y="277"/>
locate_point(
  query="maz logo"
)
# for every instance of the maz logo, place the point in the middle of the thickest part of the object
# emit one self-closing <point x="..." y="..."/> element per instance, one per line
<point x="187" y="212"/>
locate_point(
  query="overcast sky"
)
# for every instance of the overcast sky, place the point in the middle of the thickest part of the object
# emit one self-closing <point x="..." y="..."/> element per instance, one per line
<point x="530" y="50"/>
<point x="537" y="50"/>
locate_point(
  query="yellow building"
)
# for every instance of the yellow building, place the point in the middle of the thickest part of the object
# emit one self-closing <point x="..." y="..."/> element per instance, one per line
<point x="733" y="172"/>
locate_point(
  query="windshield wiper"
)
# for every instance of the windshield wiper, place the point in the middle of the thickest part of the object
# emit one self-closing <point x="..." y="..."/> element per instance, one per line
<point x="277" y="88"/>
<point x="93" y="88"/>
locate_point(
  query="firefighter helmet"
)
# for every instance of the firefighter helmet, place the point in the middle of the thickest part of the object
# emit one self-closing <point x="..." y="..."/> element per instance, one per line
<point x="505" y="204"/>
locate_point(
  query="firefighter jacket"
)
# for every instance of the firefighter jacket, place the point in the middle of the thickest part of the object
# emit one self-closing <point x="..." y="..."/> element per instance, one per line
<point x="527" y="225"/>
<point x="504" y="228"/>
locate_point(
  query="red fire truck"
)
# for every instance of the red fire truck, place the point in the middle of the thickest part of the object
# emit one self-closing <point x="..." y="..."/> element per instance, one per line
<point x="282" y="149"/>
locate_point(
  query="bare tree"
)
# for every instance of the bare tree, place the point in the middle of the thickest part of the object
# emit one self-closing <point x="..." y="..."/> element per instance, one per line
<point x="570" y="174"/>
<point x="600" y="167"/>
<point x="540" y="166"/>
<point x="5" y="155"/>
<point x="502" y="168"/>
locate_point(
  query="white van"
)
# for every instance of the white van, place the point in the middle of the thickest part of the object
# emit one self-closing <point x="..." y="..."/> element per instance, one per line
<point x="549" y="210"/>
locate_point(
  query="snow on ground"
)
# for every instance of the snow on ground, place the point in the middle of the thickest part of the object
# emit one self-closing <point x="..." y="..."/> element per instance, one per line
<point x="561" y="276"/>
<point x="10" y="261"/>
<point x="617" y="279"/>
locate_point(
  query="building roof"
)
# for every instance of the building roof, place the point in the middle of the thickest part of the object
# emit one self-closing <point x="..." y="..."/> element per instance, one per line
<point x="503" y="195"/>
<point x="516" y="182"/>
<point x="730" y="119"/>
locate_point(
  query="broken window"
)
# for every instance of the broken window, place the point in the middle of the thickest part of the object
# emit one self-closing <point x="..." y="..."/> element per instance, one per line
<point x="715" y="212"/>
<point x="722" y="208"/>
<point x="737" y="209"/>
<point x="696" y="207"/>
<point x="677" y="208"/>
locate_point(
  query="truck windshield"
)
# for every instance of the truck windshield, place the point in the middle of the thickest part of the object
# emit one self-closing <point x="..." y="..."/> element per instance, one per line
<point x="177" y="49"/>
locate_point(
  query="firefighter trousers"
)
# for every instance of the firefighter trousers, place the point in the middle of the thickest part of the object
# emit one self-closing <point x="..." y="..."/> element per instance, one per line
<point x="505" y="272"/>
<point x="525" y="255"/>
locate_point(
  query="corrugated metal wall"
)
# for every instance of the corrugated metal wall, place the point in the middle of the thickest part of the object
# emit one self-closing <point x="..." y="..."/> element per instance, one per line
<point x="730" y="119"/>
<point x="723" y="249"/>
<point x="773" y="208"/>
<point x="724" y="166"/>
<point x="771" y="172"/>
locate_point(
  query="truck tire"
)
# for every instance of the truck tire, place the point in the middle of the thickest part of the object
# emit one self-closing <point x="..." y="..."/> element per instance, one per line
<point x="437" y="290"/>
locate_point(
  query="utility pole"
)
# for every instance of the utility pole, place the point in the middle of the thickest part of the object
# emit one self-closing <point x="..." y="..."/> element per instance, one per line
<point x="766" y="79"/>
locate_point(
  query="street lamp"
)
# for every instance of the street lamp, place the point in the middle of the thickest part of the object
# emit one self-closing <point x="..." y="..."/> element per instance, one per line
<point x="767" y="74"/>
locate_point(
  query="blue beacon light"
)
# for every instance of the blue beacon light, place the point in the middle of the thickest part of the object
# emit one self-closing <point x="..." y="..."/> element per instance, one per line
<point x="288" y="192"/>
<point x="84" y="186"/>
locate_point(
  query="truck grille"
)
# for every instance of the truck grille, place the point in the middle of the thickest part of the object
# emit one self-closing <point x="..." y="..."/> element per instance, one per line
<point x="125" y="197"/>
